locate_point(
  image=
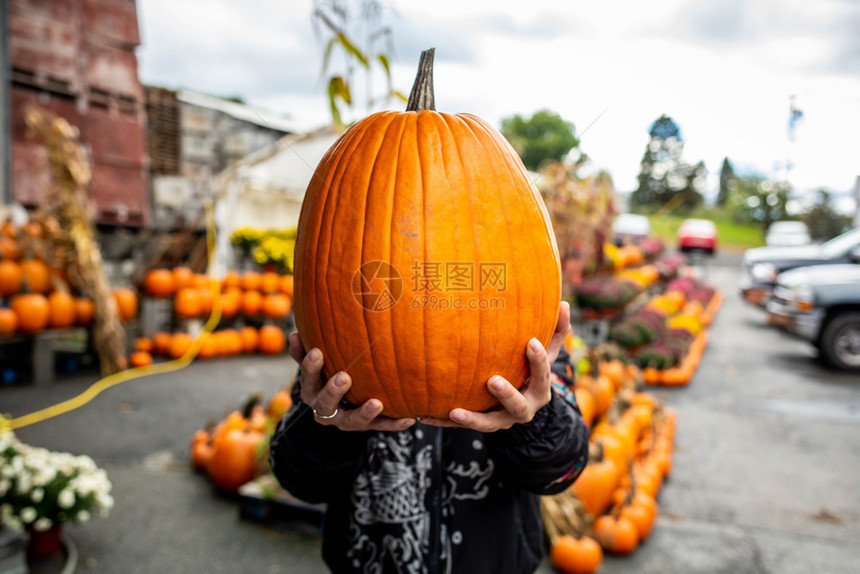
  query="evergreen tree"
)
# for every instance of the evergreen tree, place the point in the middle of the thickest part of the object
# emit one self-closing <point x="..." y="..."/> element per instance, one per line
<point x="727" y="180"/>
<point x="663" y="176"/>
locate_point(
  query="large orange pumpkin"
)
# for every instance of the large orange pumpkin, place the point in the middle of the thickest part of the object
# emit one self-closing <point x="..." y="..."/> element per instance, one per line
<point x="425" y="260"/>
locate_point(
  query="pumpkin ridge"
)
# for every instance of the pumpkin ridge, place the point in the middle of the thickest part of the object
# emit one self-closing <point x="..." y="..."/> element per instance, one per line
<point x="527" y="198"/>
<point x="480" y="133"/>
<point x="377" y="171"/>
<point x="476" y="393"/>
<point x="343" y="196"/>
<point x="329" y="186"/>
<point x="446" y="119"/>
<point x="425" y="404"/>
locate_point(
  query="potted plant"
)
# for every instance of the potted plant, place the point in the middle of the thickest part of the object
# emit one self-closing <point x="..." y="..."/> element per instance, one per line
<point x="42" y="489"/>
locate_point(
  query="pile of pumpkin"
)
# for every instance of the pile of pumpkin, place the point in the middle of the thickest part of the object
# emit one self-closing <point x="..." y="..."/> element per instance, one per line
<point x="612" y="506"/>
<point x="267" y="339"/>
<point x="35" y="291"/>
<point x="255" y="295"/>
<point x="235" y="450"/>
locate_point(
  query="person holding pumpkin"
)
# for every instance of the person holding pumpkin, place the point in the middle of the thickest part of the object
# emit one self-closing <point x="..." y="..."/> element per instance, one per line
<point x="433" y="495"/>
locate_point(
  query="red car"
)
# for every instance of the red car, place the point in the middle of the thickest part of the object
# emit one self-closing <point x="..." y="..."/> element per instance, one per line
<point x="697" y="234"/>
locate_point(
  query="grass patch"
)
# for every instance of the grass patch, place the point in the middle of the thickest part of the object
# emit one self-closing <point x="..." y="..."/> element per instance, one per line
<point x="732" y="235"/>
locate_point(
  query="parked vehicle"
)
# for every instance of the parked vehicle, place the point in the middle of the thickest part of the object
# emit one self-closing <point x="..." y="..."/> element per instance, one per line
<point x="630" y="227"/>
<point x="762" y="265"/>
<point x="821" y="304"/>
<point x="697" y="234"/>
<point x="784" y="233"/>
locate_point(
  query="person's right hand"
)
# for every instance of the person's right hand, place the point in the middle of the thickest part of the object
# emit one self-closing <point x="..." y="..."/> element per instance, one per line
<point x="324" y="397"/>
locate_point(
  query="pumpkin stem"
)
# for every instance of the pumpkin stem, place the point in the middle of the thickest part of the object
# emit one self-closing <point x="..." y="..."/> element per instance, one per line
<point x="249" y="405"/>
<point x="421" y="97"/>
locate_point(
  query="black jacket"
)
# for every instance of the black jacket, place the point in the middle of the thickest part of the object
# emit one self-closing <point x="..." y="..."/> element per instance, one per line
<point x="432" y="500"/>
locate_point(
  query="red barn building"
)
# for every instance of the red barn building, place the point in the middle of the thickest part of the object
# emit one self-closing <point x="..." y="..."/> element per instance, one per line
<point x="77" y="59"/>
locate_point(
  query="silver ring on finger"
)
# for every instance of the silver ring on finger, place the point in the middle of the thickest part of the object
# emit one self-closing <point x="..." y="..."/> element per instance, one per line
<point x="324" y="417"/>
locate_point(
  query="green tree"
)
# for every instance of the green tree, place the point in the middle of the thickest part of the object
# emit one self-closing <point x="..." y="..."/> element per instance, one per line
<point x="822" y="220"/>
<point x="755" y="199"/>
<point x="545" y="136"/>
<point x="663" y="176"/>
<point x="727" y="180"/>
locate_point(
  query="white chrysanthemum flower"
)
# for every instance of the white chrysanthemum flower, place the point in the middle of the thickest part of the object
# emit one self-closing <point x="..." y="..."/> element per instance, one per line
<point x="25" y="482"/>
<point x="37" y="495"/>
<point x="42" y="524"/>
<point x="28" y="514"/>
<point x="83" y="516"/>
<point x="66" y="498"/>
<point x="4" y="486"/>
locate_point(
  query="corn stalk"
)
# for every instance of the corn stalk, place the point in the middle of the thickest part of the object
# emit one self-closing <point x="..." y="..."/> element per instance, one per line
<point x="68" y="202"/>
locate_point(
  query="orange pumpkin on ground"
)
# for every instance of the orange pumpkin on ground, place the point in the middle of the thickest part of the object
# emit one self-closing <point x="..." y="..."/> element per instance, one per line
<point x="161" y="343"/>
<point x="179" y="345"/>
<point x="595" y="486"/>
<point x="143" y="344"/>
<point x="140" y="359"/>
<point x="572" y="556"/>
<point x="251" y="281"/>
<point x="279" y="404"/>
<point x="231" y="280"/>
<point x="424" y="196"/>
<point x="270" y="282"/>
<point x="201" y="449"/>
<point x="617" y="535"/>
<point x="287" y="285"/>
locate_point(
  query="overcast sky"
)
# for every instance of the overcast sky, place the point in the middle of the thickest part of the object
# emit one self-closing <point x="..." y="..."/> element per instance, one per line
<point x="724" y="70"/>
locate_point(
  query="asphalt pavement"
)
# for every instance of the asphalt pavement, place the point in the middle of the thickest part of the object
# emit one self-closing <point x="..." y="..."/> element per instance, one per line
<point x="764" y="478"/>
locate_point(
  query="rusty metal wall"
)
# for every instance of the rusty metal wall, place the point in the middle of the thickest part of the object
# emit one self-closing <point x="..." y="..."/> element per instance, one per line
<point x="76" y="58"/>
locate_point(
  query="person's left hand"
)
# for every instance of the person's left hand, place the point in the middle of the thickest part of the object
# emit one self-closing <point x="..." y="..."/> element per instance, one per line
<point x="516" y="406"/>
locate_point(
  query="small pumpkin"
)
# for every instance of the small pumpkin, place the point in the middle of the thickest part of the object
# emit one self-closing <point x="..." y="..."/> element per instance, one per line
<point x="276" y="306"/>
<point x="183" y="277"/>
<point x="33" y="311"/>
<point x="140" y="359"/>
<point x="270" y="282"/>
<point x="161" y="343"/>
<point x="280" y="403"/>
<point x="11" y="277"/>
<point x="8" y="321"/>
<point x="272" y="340"/>
<point x="251" y="281"/>
<point x="37" y="274"/>
<point x="250" y="338"/>
<point x="231" y="280"/>
<point x="617" y="535"/>
<point x="62" y="310"/>
<point x="179" y="345"/>
<point x="287" y="285"/>
<point x="201" y="449"/>
<point x="186" y="304"/>
<point x="126" y="303"/>
<point x="576" y="556"/>
<point x="10" y="249"/>
<point x="159" y="283"/>
<point x="85" y="311"/>
<point x="144" y="344"/>
<point x="595" y="486"/>
<point x="252" y="302"/>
